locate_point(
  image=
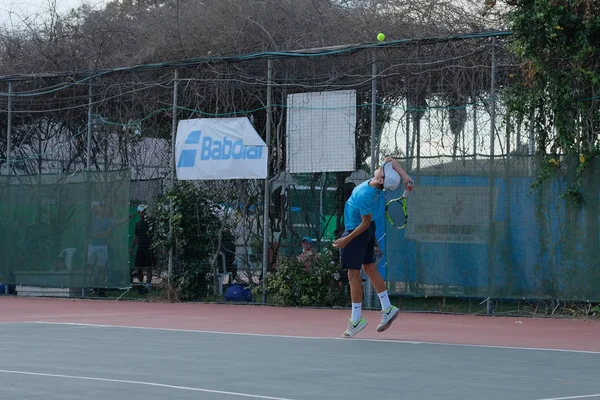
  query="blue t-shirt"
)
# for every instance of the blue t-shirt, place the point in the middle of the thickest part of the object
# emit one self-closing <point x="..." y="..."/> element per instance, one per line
<point x="364" y="200"/>
<point x="100" y="225"/>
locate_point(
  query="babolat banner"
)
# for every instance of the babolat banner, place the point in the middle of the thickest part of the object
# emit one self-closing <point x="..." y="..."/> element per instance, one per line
<point x="219" y="148"/>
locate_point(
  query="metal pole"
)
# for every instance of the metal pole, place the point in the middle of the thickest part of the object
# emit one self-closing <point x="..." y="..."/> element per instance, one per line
<point x="474" y="133"/>
<point x="8" y="145"/>
<point x="531" y="133"/>
<point x="518" y="139"/>
<point x="9" y="129"/>
<point x="88" y="160"/>
<point x="417" y="128"/>
<point x="368" y="288"/>
<point x="492" y="176"/>
<point x="531" y="146"/>
<point x="507" y="204"/>
<point x="493" y="99"/>
<point x="408" y="164"/>
<point x="373" y="114"/>
<point x="172" y="183"/>
<point x="267" y="196"/>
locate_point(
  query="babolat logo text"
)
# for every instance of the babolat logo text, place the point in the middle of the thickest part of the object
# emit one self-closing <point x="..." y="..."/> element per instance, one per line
<point x="213" y="149"/>
<point x="216" y="149"/>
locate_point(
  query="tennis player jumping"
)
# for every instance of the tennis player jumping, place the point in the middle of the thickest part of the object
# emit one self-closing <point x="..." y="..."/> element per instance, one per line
<point x="357" y="243"/>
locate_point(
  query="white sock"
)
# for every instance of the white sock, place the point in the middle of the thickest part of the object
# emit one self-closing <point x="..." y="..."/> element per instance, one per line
<point x="385" y="300"/>
<point x="356" y="311"/>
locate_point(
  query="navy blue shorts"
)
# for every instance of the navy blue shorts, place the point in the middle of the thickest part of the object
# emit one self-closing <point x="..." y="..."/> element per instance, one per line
<point x="361" y="250"/>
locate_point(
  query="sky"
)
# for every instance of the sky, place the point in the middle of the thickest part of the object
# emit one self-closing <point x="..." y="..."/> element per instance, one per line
<point x="14" y="12"/>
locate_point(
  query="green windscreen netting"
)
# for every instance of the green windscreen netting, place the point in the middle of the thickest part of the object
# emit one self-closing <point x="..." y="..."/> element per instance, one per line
<point x="65" y="231"/>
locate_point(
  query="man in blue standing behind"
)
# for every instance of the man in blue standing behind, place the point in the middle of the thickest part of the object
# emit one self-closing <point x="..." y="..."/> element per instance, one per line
<point x="357" y="243"/>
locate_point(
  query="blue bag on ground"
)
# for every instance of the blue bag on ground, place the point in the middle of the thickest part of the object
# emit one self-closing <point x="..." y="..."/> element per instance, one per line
<point x="238" y="293"/>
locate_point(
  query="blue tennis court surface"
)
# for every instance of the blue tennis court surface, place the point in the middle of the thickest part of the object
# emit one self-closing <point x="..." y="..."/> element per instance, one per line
<point x="70" y="361"/>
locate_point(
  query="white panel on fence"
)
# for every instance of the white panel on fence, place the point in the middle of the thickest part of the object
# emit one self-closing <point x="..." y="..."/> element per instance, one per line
<point x="321" y="131"/>
<point x="219" y="148"/>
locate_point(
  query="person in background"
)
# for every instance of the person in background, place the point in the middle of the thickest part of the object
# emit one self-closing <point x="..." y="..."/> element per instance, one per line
<point x="307" y="251"/>
<point x="102" y="227"/>
<point x="144" y="256"/>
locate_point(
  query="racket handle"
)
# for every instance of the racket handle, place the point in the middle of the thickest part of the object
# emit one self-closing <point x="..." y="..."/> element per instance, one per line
<point x="410" y="183"/>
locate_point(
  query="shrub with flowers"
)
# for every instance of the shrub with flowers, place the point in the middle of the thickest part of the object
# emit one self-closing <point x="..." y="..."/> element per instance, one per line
<point x="316" y="280"/>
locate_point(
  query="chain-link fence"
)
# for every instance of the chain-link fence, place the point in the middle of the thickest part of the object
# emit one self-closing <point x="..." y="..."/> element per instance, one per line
<point x="328" y="116"/>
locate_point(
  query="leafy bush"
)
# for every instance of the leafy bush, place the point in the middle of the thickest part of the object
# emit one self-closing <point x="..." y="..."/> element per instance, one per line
<point x="316" y="281"/>
<point x="194" y="237"/>
<point x="191" y="281"/>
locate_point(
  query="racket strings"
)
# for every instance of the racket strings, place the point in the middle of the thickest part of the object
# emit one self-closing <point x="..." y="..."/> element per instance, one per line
<point x="396" y="210"/>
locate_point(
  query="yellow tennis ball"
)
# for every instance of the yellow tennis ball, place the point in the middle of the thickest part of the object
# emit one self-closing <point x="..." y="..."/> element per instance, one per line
<point x="380" y="37"/>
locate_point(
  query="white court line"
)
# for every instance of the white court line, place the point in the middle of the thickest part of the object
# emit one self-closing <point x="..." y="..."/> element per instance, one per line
<point x="192" y="389"/>
<point x="316" y="337"/>
<point x="587" y="396"/>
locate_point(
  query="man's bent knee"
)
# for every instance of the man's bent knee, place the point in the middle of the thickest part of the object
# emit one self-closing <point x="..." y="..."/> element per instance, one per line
<point x="353" y="274"/>
<point x="369" y="267"/>
<point x="371" y="270"/>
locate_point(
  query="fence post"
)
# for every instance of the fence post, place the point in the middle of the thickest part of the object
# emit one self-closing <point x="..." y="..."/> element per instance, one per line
<point x="89" y="129"/>
<point x="8" y="138"/>
<point x="172" y="183"/>
<point x="88" y="162"/>
<point x="506" y="250"/>
<point x="492" y="177"/>
<point x="267" y="195"/>
<point x="407" y="124"/>
<point x="532" y="134"/>
<point x="373" y="114"/>
<point x="9" y="129"/>
<point x="474" y="98"/>
<point x="368" y="289"/>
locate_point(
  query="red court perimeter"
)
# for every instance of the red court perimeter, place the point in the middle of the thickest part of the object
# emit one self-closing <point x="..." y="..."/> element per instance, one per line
<point x="568" y="334"/>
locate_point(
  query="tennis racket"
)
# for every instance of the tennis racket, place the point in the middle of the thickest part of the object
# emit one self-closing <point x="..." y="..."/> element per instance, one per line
<point x="396" y="212"/>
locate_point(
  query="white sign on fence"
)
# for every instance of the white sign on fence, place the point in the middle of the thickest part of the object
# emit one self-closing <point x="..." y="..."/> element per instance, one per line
<point x="219" y="148"/>
<point x="320" y="131"/>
